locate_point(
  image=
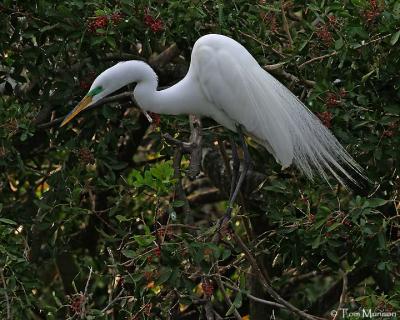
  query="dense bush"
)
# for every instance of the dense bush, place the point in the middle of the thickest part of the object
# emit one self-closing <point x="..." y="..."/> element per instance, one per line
<point x="90" y="224"/>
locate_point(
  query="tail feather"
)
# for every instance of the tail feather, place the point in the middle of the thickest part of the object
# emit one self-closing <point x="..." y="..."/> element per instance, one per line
<point x="316" y="150"/>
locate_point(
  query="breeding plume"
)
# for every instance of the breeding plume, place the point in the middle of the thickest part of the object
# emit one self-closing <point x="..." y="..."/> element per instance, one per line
<point x="225" y="83"/>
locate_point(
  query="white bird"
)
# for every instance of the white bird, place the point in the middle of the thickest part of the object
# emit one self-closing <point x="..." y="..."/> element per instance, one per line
<point x="225" y="83"/>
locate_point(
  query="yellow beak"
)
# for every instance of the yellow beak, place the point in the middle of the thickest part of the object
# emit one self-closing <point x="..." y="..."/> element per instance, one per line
<point x="80" y="107"/>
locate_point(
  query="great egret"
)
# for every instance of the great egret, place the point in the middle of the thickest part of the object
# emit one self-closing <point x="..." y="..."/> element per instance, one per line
<point x="226" y="83"/>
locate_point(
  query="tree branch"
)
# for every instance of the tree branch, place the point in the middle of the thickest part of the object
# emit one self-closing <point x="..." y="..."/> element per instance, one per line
<point x="8" y="307"/>
<point x="264" y="281"/>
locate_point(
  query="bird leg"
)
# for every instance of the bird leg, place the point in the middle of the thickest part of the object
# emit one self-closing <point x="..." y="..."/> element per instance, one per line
<point x="236" y="180"/>
<point x="245" y="168"/>
<point x="235" y="167"/>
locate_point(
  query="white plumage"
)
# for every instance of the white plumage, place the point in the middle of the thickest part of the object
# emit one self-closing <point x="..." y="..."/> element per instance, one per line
<point x="226" y="83"/>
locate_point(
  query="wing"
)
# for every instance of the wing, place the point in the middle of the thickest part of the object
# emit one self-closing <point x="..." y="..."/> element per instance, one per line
<point x="237" y="86"/>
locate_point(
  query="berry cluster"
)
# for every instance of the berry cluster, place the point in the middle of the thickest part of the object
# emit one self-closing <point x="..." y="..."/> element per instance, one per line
<point x="147" y="309"/>
<point x="332" y="21"/>
<point x="99" y="22"/>
<point x="148" y="275"/>
<point x="77" y="303"/>
<point x="208" y="288"/>
<point x="11" y="126"/>
<point x="86" y="81"/>
<point x="156" y="118"/>
<point x="325" y="35"/>
<point x="326" y="118"/>
<point x="390" y="131"/>
<point x="86" y="156"/>
<point x="117" y="17"/>
<point x="374" y="12"/>
<point x="270" y="20"/>
<point x="155" y="25"/>
<point x="333" y="99"/>
<point x="157" y="251"/>
<point x="84" y="85"/>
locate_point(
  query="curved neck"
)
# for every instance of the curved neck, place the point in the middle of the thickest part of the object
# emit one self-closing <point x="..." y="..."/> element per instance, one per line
<point x="168" y="101"/>
<point x="174" y="100"/>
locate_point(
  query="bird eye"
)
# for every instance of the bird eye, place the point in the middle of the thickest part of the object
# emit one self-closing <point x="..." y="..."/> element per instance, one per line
<point x="94" y="91"/>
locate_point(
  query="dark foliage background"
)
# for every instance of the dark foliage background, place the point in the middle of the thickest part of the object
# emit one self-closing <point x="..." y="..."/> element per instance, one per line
<point x="90" y="224"/>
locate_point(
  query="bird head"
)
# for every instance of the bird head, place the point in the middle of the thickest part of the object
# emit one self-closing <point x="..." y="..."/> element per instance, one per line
<point x="95" y="93"/>
<point x="106" y="83"/>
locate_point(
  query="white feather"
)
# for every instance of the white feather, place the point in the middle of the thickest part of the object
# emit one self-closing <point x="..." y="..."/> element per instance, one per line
<point x="269" y="112"/>
<point x="226" y="83"/>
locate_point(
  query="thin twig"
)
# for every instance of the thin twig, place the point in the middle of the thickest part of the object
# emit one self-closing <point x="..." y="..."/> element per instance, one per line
<point x="8" y="307"/>
<point x="226" y="297"/>
<point x="195" y="140"/>
<point x="88" y="280"/>
<point x="286" y="24"/>
<point x="280" y="72"/>
<point x="343" y="295"/>
<point x="262" y="43"/>
<point x="333" y="53"/>
<point x="250" y="296"/>
<point x="178" y="185"/>
<point x="265" y="283"/>
<point x="113" y="301"/>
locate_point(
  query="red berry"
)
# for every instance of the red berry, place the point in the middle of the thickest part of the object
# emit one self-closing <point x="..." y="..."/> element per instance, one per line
<point x="207" y="287"/>
<point x="326" y="118"/>
<point x="84" y="85"/>
<point x="157" y="251"/>
<point x="332" y="100"/>
<point x="332" y="21"/>
<point x="325" y="35"/>
<point x="155" y="25"/>
<point x="147" y="309"/>
<point x="148" y="275"/>
<point x="156" y="118"/>
<point x="99" y="22"/>
<point x="117" y="17"/>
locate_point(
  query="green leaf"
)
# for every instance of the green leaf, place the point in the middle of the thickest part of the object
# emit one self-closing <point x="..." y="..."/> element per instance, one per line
<point x="332" y="255"/>
<point x="334" y="226"/>
<point x="316" y="242"/>
<point x="339" y="43"/>
<point x="122" y="218"/>
<point x="358" y="3"/>
<point x="129" y="253"/>
<point x="111" y="42"/>
<point x="49" y="27"/>
<point x="8" y="221"/>
<point x="381" y="240"/>
<point x="382" y="265"/>
<point x="366" y="76"/>
<point x="237" y="303"/>
<point x="226" y="254"/>
<point x="144" y="240"/>
<point x="396" y="9"/>
<point x="178" y="203"/>
<point x="395" y="38"/>
<point x="376" y="202"/>
<point x="165" y="274"/>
